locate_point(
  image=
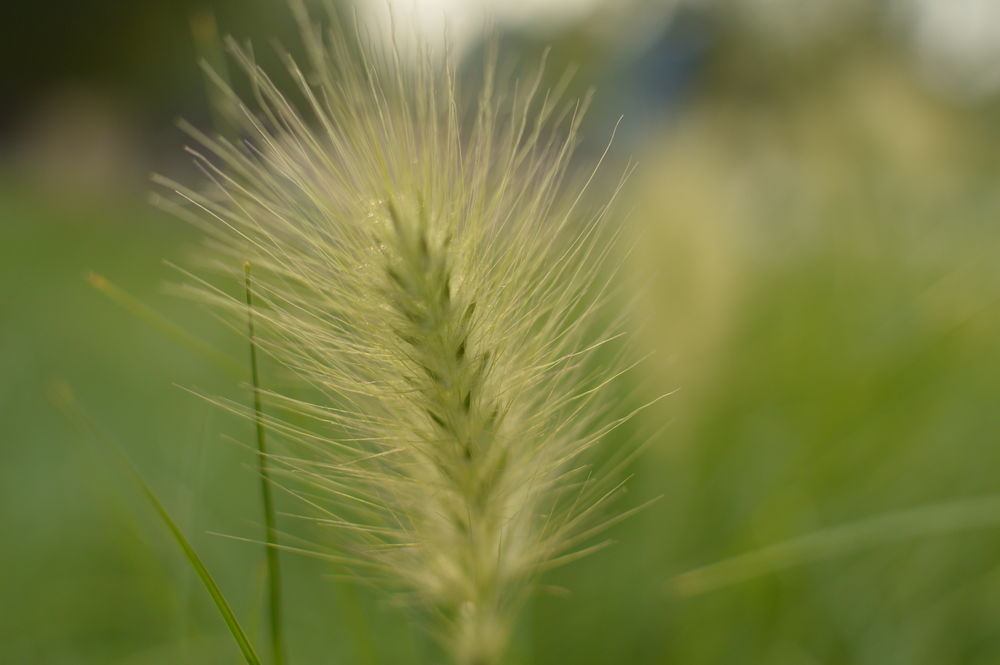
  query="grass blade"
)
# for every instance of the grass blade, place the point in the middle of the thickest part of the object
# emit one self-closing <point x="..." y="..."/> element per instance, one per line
<point x="159" y="322"/>
<point x="65" y="400"/>
<point x="249" y="655"/>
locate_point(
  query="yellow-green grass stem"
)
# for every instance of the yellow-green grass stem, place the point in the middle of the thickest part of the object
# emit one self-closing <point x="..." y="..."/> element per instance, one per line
<point x="271" y="536"/>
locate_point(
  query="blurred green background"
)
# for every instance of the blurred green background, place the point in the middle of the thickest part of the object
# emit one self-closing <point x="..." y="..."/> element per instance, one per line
<point x="817" y="274"/>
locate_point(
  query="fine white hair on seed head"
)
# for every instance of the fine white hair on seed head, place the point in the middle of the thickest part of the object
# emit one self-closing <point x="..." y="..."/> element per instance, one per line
<point x="438" y="289"/>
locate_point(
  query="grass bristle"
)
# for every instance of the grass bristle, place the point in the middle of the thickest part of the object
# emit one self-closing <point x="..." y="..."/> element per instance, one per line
<point x="423" y="268"/>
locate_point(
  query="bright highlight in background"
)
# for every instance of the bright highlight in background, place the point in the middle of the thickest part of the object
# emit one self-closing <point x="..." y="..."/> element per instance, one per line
<point x="956" y="43"/>
<point x="465" y="19"/>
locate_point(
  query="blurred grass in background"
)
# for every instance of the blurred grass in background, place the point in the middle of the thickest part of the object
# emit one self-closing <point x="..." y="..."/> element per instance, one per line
<point x="816" y="220"/>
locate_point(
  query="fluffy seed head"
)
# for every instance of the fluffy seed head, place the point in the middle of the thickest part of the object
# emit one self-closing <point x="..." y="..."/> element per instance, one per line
<point x="436" y="287"/>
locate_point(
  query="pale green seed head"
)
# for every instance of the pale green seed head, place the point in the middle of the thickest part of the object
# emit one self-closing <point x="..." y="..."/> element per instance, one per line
<point x="425" y="270"/>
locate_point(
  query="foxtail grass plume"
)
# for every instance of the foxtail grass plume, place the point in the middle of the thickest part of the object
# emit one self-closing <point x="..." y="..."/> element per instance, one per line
<point x="438" y="288"/>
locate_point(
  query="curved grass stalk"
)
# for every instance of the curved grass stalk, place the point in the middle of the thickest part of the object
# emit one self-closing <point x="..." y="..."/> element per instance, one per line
<point x="873" y="531"/>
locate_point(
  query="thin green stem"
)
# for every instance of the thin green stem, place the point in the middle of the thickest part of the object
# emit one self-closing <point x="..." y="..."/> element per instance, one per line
<point x="271" y="536"/>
